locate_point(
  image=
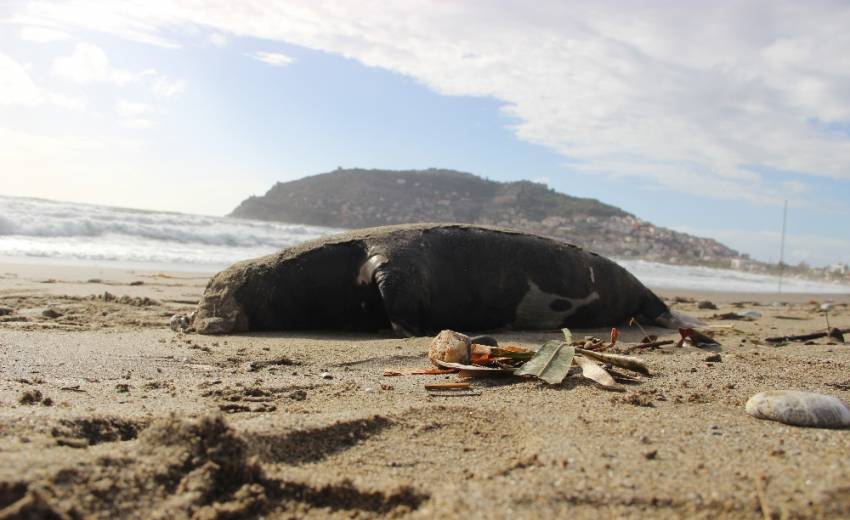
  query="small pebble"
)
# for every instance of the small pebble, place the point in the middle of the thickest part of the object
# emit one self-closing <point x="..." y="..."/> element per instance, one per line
<point x="713" y="358"/>
<point x="705" y="304"/>
<point x="5" y="311"/>
<point x="326" y="375"/>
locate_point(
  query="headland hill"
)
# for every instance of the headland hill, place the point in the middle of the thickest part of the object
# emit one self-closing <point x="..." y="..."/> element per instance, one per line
<point x="356" y="198"/>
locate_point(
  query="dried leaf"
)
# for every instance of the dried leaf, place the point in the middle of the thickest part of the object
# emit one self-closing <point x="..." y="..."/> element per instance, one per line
<point x="594" y="372"/>
<point x="568" y="336"/>
<point x="551" y="363"/>
<point x="618" y="360"/>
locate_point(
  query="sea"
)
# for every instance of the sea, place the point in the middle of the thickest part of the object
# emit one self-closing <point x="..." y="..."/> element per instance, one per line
<point x="45" y="231"/>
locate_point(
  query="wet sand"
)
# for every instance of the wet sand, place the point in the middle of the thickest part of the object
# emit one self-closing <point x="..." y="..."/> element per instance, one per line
<point x="106" y="412"/>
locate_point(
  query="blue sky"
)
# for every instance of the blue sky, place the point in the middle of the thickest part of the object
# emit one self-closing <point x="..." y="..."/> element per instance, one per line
<point x="703" y="122"/>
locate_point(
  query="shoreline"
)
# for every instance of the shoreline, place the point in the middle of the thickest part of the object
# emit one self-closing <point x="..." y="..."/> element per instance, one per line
<point x="79" y="271"/>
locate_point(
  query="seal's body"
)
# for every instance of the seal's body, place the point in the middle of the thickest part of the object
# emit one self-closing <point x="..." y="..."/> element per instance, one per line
<point x="421" y="278"/>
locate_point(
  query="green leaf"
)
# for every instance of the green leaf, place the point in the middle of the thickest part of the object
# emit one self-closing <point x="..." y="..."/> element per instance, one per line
<point x="551" y="363"/>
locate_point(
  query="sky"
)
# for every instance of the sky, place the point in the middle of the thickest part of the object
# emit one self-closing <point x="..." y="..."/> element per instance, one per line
<point x="699" y="116"/>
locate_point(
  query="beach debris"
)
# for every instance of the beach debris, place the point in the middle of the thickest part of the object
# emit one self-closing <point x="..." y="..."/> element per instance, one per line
<point x="705" y="304"/>
<point x="30" y="397"/>
<point x="591" y="370"/>
<point x="807" y="337"/>
<point x="832" y="332"/>
<point x="618" y="360"/>
<point x="450" y="347"/>
<point x="453" y="347"/>
<point x="326" y="375"/>
<point x="5" y="311"/>
<point x="650" y="345"/>
<point x="695" y="338"/>
<point x="51" y="313"/>
<point x="179" y="323"/>
<point x="394" y="372"/>
<point x="740" y="316"/>
<point x="551" y="363"/>
<point x="800" y="409"/>
<point x="614" y="336"/>
<point x="484" y="340"/>
<point x="473" y="370"/>
<point x="447" y="386"/>
<point x="713" y="358"/>
<point x="647" y="338"/>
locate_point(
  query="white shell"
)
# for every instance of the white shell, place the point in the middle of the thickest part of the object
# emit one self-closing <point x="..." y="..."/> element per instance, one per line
<point x="800" y="409"/>
<point x="451" y="347"/>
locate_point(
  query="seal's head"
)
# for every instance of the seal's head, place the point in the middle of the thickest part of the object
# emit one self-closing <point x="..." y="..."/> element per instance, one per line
<point x="218" y="311"/>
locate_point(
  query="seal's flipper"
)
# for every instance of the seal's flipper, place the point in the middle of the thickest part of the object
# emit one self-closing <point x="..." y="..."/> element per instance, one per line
<point x="677" y="320"/>
<point x="404" y="294"/>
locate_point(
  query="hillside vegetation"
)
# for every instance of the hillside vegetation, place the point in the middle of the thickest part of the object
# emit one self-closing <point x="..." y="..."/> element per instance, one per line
<point x="354" y="198"/>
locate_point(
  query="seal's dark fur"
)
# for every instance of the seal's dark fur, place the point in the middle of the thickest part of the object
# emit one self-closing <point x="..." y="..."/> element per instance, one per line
<point x="421" y="278"/>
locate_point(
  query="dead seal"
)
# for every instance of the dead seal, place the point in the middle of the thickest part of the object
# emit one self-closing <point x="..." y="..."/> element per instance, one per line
<point x="422" y="278"/>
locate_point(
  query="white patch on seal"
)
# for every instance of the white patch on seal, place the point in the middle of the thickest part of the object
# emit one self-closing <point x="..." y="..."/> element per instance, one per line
<point x="592" y="276"/>
<point x="535" y="308"/>
<point x="368" y="268"/>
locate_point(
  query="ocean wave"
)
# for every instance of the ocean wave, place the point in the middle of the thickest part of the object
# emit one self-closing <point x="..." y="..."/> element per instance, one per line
<point x="45" y="219"/>
<point x="63" y="231"/>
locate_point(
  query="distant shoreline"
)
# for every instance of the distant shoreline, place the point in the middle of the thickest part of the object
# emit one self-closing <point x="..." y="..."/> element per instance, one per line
<point x="80" y="270"/>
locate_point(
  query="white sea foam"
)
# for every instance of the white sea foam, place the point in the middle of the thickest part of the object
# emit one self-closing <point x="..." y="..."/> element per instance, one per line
<point x="41" y="230"/>
<point x="64" y="230"/>
<point x="658" y="275"/>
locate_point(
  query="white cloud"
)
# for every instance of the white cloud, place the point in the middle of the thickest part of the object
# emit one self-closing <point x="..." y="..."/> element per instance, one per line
<point x="42" y="34"/>
<point x="218" y="39"/>
<point x="18" y="88"/>
<point x="275" y="59"/>
<point x="133" y="114"/>
<point x="89" y="63"/>
<point x="682" y="96"/>
<point x="163" y="86"/>
<point x="138" y="123"/>
<point x="126" y="108"/>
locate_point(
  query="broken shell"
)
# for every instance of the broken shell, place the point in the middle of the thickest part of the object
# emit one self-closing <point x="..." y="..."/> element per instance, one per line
<point x="800" y="409"/>
<point x="450" y="347"/>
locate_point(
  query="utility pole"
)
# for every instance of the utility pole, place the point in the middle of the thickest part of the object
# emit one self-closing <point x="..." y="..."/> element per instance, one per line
<point x="782" y="245"/>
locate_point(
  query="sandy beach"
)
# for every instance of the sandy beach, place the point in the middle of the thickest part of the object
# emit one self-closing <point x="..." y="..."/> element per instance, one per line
<point x="105" y="412"/>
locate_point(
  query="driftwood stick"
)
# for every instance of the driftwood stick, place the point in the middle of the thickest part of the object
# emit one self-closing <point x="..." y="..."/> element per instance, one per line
<point x="803" y="337"/>
<point x="448" y="386"/>
<point x="653" y="344"/>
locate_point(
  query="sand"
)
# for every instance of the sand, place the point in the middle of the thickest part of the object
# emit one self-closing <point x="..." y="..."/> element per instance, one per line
<point x="105" y="412"/>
